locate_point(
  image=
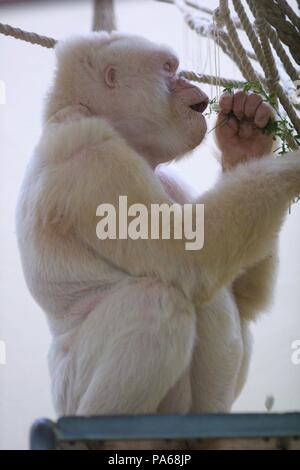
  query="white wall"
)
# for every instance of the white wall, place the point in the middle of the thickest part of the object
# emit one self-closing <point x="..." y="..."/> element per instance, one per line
<point x="27" y="71"/>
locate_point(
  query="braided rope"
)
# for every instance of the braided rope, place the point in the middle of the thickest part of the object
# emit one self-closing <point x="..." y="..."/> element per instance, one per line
<point x="201" y="8"/>
<point x="191" y="4"/>
<point x="243" y="61"/>
<point x="286" y="31"/>
<point x="263" y="51"/>
<point x="271" y="70"/>
<point x="273" y="37"/>
<point x="230" y="49"/>
<point x="267" y="55"/>
<point x="288" y="11"/>
<point x="287" y="63"/>
<point x="211" y="79"/>
<point x="223" y="41"/>
<point x="250" y="31"/>
<point x="103" y="19"/>
<point x="27" y="36"/>
<point x="229" y="43"/>
<point x="206" y="30"/>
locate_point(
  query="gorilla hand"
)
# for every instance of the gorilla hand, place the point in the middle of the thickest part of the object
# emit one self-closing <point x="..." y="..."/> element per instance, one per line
<point x="240" y="125"/>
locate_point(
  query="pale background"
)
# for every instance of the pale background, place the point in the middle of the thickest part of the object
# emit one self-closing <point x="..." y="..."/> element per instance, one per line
<point x="27" y="72"/>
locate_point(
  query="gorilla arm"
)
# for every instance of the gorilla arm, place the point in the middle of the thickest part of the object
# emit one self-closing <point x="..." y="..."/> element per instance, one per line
<point x="92" y="164"/>
<point x="239" y="141"/>
<point x="253" y="289"/>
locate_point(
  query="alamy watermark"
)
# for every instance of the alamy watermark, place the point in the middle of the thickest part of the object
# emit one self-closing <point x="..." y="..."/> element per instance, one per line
<point x="2" y="92"/>
<point x="162" y="221"/>
<point x="296" y="354"/>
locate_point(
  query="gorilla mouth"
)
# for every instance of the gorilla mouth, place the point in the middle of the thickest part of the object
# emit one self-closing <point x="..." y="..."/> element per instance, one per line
<point x="199" y="107"/>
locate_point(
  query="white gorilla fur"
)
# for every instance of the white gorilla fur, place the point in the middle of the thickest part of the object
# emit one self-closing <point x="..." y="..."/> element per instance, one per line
<point x="141" y="326"/>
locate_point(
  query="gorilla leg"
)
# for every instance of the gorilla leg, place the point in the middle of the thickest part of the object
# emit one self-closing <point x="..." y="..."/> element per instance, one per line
<point x="132" y="349"/>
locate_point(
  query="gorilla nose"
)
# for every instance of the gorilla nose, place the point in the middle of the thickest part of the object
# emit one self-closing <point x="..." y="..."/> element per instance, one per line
<point x="201" y="106"/>
<point x="200" y="103"/>
<point x="180" y="83"/>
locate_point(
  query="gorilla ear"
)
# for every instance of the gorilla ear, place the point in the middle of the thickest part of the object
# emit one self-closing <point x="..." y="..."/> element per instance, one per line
<point x="110" y="76"/>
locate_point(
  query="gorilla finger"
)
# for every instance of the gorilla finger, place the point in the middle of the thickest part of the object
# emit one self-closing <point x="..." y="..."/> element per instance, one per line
<point x="239" y="101"/>
<point x="226" y="102"/>
<point x="252" y="103"/>
<point x="263" y="114"/>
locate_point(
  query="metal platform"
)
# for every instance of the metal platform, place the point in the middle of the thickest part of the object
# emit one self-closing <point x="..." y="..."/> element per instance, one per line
<point x="47" y="435"/>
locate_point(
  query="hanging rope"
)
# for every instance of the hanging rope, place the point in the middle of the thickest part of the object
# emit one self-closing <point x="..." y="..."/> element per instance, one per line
<point x="208" y="30"/>
<point x="286" y="31"/>
<point x="272" y="74"/>
<point x="104" y="16"/>
<point x="287" y="10"/>
<point x="244" y="62"/>
<point x="251" y="33"/>
<point x="261" y="39"/>
<point x="211" y="79"/>
<point x="201" y="8"/>
<point x="287" y="63"/>
<point x="261" y="45"/>
<point x="276" y="23"/>
<point x="273" y="37"/>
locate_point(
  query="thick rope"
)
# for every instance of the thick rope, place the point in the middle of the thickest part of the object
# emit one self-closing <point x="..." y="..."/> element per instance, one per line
<point x="273" y="37"/>
<point x="230" y="49"/>
<point x="211" y="79"/>
<point x="264" y="54"/>
<point x="250" y="31"/>
<point x="263" y="48"/>
<point x="209" y="30"/>
<point x="286" y="31"/>
<point x="225" y="41"/>
<point x="244" y="62"/>
<point x="27" y="36"/>
<point x="192" y="5"/>
<point x="104" y="16"/>
<point x="201" y="8"/>
<point x="271" y="70"/>
<point x="287" y="63"/>
<point x="288" y="11"/>
<point x="263" y="51"/>
<point x="226" y="45"/>
<point x="103" y="19"/>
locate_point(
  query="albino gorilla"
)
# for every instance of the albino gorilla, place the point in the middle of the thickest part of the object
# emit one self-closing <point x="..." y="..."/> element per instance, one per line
<point x="145" y="326"/>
